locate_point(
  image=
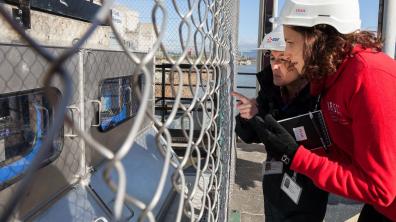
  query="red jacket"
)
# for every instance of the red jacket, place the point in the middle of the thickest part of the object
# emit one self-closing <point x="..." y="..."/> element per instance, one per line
<point x="359" y="106"/>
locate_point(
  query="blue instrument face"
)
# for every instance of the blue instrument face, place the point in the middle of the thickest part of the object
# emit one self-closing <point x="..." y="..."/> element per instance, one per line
<point x="24" y="120"/>
<point x="119" y="101"/>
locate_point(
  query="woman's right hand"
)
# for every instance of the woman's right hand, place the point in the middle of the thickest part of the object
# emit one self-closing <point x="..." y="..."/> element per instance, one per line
<point x="247" y="107"/>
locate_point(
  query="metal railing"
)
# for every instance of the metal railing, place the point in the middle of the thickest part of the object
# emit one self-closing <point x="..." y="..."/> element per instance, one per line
<point x="246" y="74"/>
<point x="77" y="65"/>
<point x="249" y="90"/>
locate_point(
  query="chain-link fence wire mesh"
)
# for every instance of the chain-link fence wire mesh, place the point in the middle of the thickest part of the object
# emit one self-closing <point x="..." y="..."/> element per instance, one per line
<point x="99" y="71"/>
<point x="22" y="70"/>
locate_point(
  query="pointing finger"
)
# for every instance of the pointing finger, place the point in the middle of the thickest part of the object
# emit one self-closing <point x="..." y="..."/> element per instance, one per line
<point x="240" y="97"/>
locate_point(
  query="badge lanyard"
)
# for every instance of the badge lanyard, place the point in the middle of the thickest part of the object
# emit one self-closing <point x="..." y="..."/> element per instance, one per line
<point x="289" y="184"/>
<point x="317" y="104"/>
<point x="291" y="188"/>
<point x="316" y="125"/>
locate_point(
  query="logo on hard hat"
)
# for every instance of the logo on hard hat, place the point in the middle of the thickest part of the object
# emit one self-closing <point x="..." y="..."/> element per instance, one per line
<point x="270" y="39"/>
<point x="300" y="10"/>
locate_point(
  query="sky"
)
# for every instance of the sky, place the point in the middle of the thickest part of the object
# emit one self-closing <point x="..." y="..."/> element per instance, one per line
<point x="249" y="12"/>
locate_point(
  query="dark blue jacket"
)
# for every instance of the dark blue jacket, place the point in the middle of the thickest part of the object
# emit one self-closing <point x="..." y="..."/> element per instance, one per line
<point x="278" y="206"/>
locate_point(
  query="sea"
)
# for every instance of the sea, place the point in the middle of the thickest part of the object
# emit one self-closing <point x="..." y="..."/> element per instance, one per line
<point x="246" y="80"/>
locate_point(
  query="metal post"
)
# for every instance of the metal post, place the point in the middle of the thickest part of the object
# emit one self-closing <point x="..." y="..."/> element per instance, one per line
<point x="275" y="12"/>
<point x="24" y="6"/>
<point x="163" y="94"/>
<point x="389" y="27"/>
<point x="81" y="105"/>
<point x="380" y="17"/>
<point x="267" y="10"/>
<point x="260" y="35"/>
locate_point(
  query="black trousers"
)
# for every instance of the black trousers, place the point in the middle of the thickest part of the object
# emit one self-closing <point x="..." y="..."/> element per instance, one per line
<point x="278" y="207"/>
<point x="369" y="214"/>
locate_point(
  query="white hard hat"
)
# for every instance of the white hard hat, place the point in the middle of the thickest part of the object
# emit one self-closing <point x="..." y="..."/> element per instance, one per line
<point x="343" y="15"/>
<point x="274" y="40"/>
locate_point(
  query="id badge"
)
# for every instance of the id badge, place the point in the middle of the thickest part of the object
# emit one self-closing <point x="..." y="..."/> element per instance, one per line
<point x="272" y="167"/>
<point x="291" y="188"/>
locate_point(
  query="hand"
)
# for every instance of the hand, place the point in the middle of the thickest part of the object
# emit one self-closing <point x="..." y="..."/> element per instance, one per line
<point x="276" y="138"/>
<point x="247" y="107"/>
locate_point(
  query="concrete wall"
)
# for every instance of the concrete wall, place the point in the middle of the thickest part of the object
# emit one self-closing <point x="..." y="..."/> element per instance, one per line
<point x="146" y="36"/>
<point x="54" y="30"/>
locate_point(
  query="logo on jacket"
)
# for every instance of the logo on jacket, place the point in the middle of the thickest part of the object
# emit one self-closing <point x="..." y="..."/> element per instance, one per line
<point x="336" y="114"/>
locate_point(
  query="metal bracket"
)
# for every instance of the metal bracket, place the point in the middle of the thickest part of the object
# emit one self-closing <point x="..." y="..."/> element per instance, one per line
<point x="22" y="13"/>
<point x="99" y="111"/>
<point x="72" y="109"/>
<point x="77" y="9"/>
<point x="101" y="219"/>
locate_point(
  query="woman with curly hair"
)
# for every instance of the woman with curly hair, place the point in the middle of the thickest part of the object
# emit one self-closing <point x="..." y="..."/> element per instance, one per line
<point x="357" y="85"/>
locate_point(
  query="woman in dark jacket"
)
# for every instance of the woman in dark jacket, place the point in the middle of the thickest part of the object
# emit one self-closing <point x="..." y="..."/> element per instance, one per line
<point x="283" y="93"/>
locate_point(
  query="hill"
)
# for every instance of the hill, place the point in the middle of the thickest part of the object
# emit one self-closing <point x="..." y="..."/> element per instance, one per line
<point x="252" y="54"/>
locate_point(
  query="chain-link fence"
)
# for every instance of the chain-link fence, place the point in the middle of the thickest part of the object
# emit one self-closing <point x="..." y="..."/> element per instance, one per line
<point x="116" y="110"/>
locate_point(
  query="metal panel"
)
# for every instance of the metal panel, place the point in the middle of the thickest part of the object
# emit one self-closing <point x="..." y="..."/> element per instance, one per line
<point x="22" y="69"/>
<point x="100" y="65"/>
<point x="82" y="10"/>
<point x="79" y="204"/>
<point x="143" y="165"/>
<point x="197" y="201"/>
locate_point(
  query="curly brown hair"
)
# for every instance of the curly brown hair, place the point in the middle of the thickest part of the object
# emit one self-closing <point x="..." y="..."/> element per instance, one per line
<point x="325" y="48"/>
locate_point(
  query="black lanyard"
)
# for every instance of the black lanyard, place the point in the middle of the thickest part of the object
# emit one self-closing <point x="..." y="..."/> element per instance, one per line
<point x="317" y="104"/>
<point x="317" y="107"/>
